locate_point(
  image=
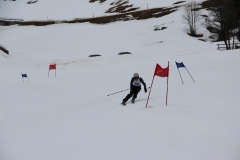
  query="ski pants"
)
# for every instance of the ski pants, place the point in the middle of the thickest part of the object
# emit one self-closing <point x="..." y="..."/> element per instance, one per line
<point x="133" y="92"/>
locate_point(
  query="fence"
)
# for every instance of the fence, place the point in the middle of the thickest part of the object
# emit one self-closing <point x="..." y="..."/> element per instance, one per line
<point x="10" y="21"/>
<point x="232" y="46"/>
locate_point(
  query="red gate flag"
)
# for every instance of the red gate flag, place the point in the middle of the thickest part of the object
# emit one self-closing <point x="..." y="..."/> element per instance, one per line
<point x="161" y="72"/>
<point x="52" y="66"/>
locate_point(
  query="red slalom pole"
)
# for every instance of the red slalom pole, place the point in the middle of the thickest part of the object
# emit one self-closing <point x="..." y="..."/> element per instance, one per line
<point x="56" y="69"/>
<point x="150" y="90"/>
<point x="167" y="85"/>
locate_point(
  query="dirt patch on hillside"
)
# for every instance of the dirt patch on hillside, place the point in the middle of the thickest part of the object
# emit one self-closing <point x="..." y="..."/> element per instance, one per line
<point x="195" y="35"/>
<point x="128" y="12"/>
<point x="208" y="4"/>
<point x="4" y="50"/>
<point x="100" y="1"/>
<point x="137" y="15"/>
<point x="121" y="6"/>
<point x="179" y="2"/>
<point x="37" y="23"/>
<point x="32" y="1"/>
<point x="157" y="28"/>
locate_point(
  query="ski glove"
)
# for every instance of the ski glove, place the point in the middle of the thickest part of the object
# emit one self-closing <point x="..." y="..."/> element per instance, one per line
<point x="145" y="90"/>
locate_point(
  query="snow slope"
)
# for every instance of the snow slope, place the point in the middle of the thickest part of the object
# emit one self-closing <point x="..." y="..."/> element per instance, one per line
<point x="59" y="10"/>
<point x="71" y="116"/>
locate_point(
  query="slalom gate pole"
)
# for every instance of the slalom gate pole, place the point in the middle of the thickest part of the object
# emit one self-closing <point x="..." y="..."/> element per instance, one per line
<point x="180" y="75"/>
<point x="167" y="85"/>
<point x="27" y="76"/>
<point x="55" y="70"/>
<point x="22" y="77"/>
<point x="189" y="74"/>
<point x="150" y="90"/>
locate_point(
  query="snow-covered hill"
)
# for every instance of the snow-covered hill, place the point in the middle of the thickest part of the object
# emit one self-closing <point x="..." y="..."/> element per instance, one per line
<point x="70" y="9"/>
<point x="71" y="117"/>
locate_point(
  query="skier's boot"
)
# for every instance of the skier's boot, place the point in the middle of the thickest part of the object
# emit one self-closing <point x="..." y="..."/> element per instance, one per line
<point x="133" y="100"/>
<point x="123" y="103"/>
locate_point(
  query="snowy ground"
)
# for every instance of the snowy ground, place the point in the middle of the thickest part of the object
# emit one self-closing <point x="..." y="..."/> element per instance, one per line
<point x="67" y="9"/>
<point x="71" y="116"/>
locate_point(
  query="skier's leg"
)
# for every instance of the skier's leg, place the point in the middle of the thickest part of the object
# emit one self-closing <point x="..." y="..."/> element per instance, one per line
<point x="128" y="96"/>
<point x="136" y="91"/>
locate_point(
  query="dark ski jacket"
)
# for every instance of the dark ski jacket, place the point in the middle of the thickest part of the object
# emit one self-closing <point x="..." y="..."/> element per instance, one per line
<point x="141" y="80"/>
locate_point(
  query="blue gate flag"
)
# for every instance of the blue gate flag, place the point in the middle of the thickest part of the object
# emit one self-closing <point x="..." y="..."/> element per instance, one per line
<point x="179" y="65"/>
<point x="24" y="75"/>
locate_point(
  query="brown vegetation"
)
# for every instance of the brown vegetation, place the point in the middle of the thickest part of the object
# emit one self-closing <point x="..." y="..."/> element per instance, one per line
<point x="138" y="15"/>
<point x="204" y="16"/>
<point x="94" y="55"/>
<point x="195" y="35"/>
<point x="36" y="23"/>
<point x="4" y="50"/>
<point x="122" y="53"/>
<point x="202" y="40"/>
<point x="224" y="20"/>
<point x="157" y="28"/>
<point x="121" y="7"/>
<point x="178" y="2"/>
<point x="101" y="1"/>
<point x="208" y="4"/>
<point x="32" y="1"/>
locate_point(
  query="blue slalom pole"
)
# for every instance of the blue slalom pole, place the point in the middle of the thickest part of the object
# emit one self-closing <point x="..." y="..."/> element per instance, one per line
<point x="189" y="74"/>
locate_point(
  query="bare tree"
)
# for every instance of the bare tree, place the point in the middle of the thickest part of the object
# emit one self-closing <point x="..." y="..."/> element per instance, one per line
<point x="192" y="17"/>
<point x="237" y="6"/>
<point x="238" y="34"/>
<point x="223" y="17"/>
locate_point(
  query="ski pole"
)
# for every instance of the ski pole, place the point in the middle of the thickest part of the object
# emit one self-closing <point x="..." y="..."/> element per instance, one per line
<point x="118" y="92"/>
<point x="121" y="91"/>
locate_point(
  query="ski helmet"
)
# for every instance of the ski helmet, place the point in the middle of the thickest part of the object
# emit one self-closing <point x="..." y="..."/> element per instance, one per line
<point x="136" y="75"/>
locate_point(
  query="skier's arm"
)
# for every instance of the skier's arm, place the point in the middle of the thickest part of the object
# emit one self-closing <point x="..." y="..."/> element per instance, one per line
<point x="141" y="80"/>
<point x="131" y="83"/>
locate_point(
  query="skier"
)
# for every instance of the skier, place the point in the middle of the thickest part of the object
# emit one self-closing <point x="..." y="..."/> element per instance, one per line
<point x="135" y="87"/>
